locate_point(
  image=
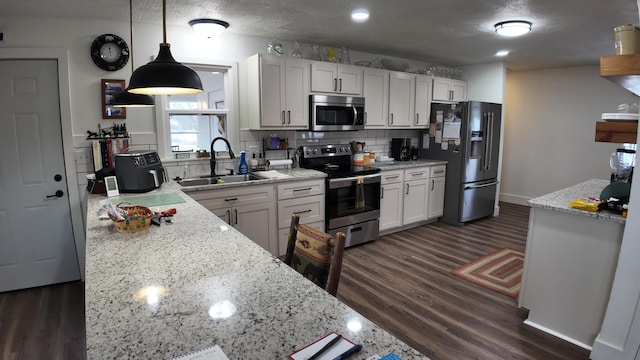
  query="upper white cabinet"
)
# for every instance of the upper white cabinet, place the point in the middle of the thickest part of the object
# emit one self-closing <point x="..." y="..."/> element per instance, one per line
<point x="449" y="90"/>
<point x="422" y="102"/>
<point x="336" y="78"/>
<point x="402" y="87"/>
<point x="376" y="97"/>
<point x="278" y="92"/>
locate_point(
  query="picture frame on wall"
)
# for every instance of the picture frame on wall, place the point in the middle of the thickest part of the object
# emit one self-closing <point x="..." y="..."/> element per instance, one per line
<point x="111" y="88"/>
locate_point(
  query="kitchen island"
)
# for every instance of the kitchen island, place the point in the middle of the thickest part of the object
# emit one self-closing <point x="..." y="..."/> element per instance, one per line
<point x="170" y="290"/>
<point x="570" y="262"/>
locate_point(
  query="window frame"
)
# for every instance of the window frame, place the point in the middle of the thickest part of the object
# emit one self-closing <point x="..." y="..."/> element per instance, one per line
<point x="163" y="132"/>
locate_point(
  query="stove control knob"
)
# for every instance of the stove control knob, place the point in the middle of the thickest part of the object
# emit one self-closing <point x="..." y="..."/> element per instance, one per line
<point x="315" y="151"/>
<point x="308" y="152"/>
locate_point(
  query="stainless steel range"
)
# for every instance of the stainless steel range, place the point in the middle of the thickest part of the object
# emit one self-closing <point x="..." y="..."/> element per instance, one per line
<point x="352" y="196"/>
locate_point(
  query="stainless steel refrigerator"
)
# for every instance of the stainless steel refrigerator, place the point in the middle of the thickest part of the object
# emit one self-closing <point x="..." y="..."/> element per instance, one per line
<point x="467" y="135"/>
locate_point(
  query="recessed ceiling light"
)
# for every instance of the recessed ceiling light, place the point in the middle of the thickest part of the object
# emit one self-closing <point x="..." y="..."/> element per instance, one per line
<point x="513" y="28"/>
<point x="211" y="28"/>
<point x="360" y="15"/>
<point x="502" y="53"/>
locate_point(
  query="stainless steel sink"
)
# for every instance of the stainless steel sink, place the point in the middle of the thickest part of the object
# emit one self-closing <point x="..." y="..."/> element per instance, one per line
<point x="218" y="179"/>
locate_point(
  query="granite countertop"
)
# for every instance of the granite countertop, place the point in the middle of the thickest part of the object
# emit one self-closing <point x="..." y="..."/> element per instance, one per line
<point x="398" y="165"/>
<point x="559" y="200"/>
<point x="173" y="289"/>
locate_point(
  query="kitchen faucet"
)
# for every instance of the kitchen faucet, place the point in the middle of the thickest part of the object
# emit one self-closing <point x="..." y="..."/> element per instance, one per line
<point x="212" y="162"/>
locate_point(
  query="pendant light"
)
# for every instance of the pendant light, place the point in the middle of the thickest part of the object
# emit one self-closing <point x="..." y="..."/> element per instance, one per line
<point x="125" y="98"/>
<point x="164" y="75"/>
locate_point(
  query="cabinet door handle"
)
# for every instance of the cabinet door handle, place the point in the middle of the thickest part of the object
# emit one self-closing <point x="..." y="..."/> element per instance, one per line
<point x="303" y="189"/>
<point x="365" y="118"/>
<point x="289" y="115"/>
<point x="282" y="117"/>
<point x="302" y="212"/>
<point x="381" y="192"/>
<point x="418" y="174"/>
<point x="236" y="211"/>
<point x="417" y="118"/>
<point x="407" y="189"/>
<point x="231" y="199"/>
<point x="391" y="120"/>
<point x="340" y="85"/>
<point x="335" y="84"/>
<point x="229" y="217"/>
<point x="391" y="177"/>
<point x="438" y="171"/>
<point x="432" y="184"/>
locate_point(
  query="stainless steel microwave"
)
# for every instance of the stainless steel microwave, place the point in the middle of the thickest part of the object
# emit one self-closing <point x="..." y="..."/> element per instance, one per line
<point x="336" y="113"/>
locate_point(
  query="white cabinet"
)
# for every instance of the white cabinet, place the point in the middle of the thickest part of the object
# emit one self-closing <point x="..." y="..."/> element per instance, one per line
<point x="423" y="101"/>
<point x="249" y="209"/>
<point x="391" y="199"/>
<point x="449" y="90"/>
<point x="436" y="191"/>
<point x="375" y="90"/>
<point x="305" y="198"/>
<point x="334" y="78"/>
<point x="278" y="92"/>
<point x="416" y="195"/>
<point x="401" y="99"/>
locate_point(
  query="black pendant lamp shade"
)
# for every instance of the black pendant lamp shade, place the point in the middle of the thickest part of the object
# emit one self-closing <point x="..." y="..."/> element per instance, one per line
<point x="164" y="76"/>
<point x="127" y="99"/>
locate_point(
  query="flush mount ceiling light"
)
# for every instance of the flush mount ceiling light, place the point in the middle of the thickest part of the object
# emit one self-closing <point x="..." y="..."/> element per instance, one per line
<point x="502" y="53"/>
<point x="513" y="28"/>
<point x="125" y="98"/>
<point x="360" y="15"/>
<point x="164" y="75"/>
<point x="211" y="28"/>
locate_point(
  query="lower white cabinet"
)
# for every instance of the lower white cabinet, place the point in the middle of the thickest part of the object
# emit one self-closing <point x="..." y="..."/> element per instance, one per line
<point x="305" y="198"/>
<point x="416" y="195"/>
<point x="411" y="197"/>
<point x="391" y="199"/>
<point x="249" y="209"/>
<point x="436" y="191"/>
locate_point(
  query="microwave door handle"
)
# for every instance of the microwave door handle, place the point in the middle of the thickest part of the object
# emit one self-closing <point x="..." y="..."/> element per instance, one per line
<point x="355" y="115"/>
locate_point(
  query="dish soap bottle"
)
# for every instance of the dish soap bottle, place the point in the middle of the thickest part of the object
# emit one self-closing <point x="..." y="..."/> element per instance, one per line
<point x="243" y="168"/>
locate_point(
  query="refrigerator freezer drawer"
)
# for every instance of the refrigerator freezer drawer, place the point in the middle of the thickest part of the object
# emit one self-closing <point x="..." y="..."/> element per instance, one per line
<point x="478" y="200"/>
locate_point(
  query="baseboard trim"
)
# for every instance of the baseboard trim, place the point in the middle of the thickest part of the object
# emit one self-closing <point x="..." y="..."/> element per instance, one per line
<point x="557" y="334"/>
<point x="514" y="199"/>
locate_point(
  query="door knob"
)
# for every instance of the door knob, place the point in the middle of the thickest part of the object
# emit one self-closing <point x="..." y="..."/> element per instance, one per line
<point x="58" y="193"/>
<point x="58" y="177"/>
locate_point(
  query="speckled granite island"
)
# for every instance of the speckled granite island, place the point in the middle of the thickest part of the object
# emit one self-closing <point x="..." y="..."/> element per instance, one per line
<point x="570" y="262"/>
<point x="174" y="289"/>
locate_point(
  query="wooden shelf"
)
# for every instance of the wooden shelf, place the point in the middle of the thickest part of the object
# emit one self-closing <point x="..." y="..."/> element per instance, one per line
<point x="617" y="131"/>
<point x="623" y="70"/>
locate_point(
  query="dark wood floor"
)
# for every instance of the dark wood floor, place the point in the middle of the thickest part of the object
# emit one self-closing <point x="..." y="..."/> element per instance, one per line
<point x="401" y="282"/>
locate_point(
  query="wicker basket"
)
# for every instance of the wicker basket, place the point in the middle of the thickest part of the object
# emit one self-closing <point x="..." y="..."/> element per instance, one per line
<point x="137" y="218"/>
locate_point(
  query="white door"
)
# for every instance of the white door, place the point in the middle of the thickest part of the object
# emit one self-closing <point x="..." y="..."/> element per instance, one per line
<point x="36" y="239"/>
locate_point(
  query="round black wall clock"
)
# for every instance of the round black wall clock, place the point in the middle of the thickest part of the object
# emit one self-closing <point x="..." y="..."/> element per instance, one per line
<point x="109" y="52"/>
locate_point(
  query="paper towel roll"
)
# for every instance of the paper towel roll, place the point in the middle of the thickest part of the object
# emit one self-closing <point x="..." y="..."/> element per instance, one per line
<point x="284" y="162"/>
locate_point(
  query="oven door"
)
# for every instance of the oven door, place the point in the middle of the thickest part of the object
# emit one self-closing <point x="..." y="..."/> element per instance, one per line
<point x="352" y="200"/>
<point x="336" y="113"/>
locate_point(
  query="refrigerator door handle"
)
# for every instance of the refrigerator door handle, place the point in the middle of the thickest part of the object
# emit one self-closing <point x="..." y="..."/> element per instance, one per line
<point x="469" y="187"/>
<point x="487" y="142"/>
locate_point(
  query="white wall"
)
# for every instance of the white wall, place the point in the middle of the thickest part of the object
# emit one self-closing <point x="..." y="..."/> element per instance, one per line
<point x="550" y="127"/>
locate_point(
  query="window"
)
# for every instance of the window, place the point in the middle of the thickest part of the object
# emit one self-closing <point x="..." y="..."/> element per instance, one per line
<point x="190" y="122"/>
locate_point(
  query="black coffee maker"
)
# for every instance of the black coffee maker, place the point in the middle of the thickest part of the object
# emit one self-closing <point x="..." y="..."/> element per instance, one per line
<point x="401" y="149"/>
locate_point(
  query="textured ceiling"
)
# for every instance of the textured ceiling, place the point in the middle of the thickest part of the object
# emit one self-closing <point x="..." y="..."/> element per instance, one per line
<point x="451" y="32"/>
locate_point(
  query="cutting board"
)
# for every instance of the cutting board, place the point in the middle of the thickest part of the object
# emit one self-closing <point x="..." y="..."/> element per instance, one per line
<point x="151" y="200"/>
